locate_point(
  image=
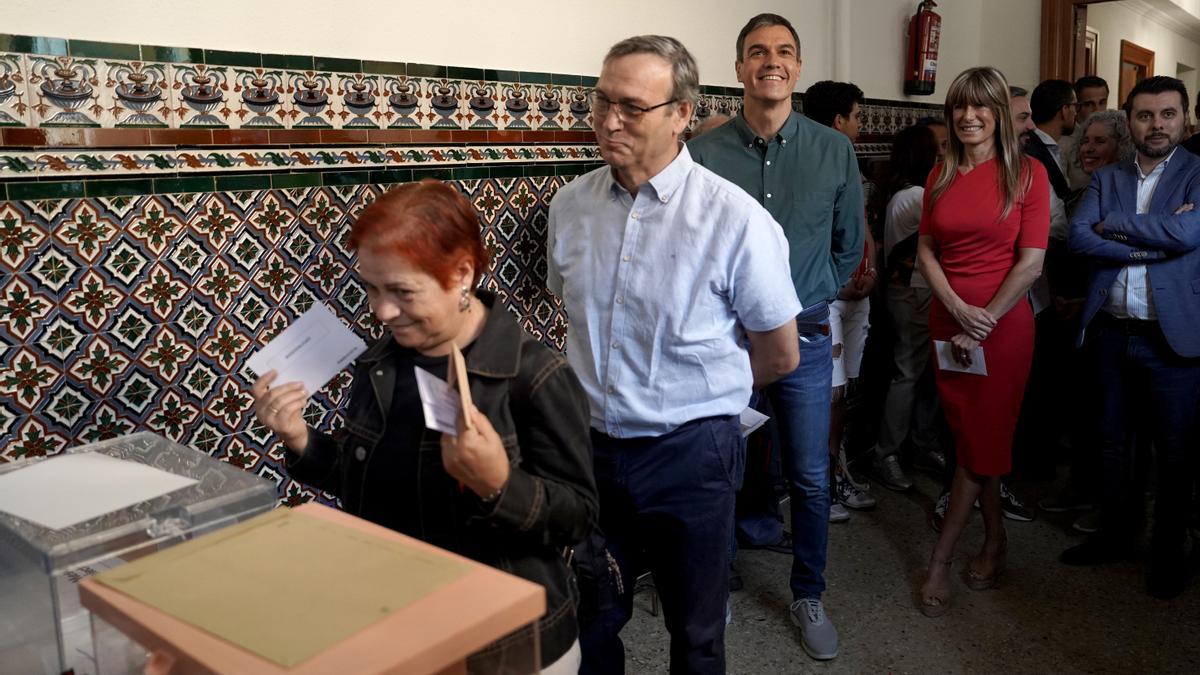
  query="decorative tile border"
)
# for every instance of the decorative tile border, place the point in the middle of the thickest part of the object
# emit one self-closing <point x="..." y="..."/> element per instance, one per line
<point x="240" y="91"/>
<point x="145" y="162"/>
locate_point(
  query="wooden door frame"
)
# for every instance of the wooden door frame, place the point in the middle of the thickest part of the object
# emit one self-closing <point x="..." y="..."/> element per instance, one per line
<point x="1137" y="55"/>
<point x="1062" y="38"/>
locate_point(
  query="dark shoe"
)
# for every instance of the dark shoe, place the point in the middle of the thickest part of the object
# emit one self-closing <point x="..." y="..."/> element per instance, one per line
<point x="933" y="461"/>
<point x="1012" y="507"/>
<point x="784" y="545"/>
<point x="888" y="471"/>
<point x="1088" y="522"/>
<point x="1093" y="551"/>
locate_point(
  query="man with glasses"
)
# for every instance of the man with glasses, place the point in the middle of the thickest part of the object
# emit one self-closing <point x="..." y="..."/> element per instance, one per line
<point x="806" y="175"/>
<point x="676" y="284"/>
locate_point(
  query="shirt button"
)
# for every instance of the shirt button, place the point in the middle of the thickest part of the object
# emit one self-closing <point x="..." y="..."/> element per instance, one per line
<point x="612" y="390"/>
<point x="624" y="258"/>
<point x="634" y="215"/>
<point x="768" y="195"/>
<point x="379" y="373"/>
<point x="360" y="453"/>
<point x="768" y="162"/>
<point x="783" y="142"/>
<point x="620" y="301"/>
<point x="616" y="344"/>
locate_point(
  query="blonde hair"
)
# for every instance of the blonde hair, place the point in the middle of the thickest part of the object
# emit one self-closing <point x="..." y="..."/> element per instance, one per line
<point x="985" y="86"/>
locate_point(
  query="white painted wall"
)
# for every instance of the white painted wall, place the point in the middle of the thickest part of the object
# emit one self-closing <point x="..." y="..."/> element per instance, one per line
<point x="859" y="40"/>
<point x="1116" y="21"/>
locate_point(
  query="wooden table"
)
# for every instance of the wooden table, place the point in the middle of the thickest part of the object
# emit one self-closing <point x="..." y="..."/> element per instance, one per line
<point x="434" y="634"/>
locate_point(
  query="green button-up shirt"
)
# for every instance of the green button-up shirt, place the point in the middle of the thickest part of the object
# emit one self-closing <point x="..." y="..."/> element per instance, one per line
<point x="807" y="177"/>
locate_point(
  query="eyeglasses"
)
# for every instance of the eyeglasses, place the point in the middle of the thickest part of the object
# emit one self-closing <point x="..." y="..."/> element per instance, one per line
<point x="602" y="105"/>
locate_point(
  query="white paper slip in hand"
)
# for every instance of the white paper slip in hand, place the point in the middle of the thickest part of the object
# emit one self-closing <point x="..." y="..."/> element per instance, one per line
<point x="946" y="360"/>
<point x="750" y="420"/>
<point x="439" y="402"/>
<point x="312" y="350"/>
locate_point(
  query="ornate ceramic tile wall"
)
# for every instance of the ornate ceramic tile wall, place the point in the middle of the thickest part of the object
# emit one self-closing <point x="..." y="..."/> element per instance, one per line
<point x="139" y="312"/>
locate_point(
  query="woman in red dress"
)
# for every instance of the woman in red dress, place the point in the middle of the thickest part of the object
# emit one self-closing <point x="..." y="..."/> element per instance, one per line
<point x="983" y="236"/>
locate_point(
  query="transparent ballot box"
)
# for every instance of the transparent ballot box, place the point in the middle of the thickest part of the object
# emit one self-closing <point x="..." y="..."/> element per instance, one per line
<point x="44" y="629"/>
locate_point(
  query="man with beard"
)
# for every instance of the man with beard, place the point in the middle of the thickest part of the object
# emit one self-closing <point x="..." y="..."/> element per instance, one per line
<point x="1053" y="107"/>
<point x="1136" y="225"/>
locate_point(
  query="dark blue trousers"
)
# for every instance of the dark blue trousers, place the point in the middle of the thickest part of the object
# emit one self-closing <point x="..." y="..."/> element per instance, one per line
<point x="1134" y="366"/>
<point x="666" y="505"/>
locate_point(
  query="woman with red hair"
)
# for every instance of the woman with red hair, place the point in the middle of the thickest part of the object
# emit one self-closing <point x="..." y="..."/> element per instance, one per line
<point x="512" y="490"/>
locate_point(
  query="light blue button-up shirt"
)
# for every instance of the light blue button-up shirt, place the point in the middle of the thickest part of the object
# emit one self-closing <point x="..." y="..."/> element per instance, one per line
<point x="659" y="287"/>
<point x="1130" y="296"/>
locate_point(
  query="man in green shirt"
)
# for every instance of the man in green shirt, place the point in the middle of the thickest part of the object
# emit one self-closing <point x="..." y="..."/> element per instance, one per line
<point x="807" y="177"/>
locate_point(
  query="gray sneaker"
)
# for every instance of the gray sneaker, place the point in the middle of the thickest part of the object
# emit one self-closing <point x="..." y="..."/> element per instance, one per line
<point x="818" y="637"/>
<point x="838" y="513"/>
<point x="888" y="471"/>
<point x="848" y="495"/>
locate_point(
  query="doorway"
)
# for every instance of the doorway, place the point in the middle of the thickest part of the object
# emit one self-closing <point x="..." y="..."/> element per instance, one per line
<point x="1137" y="63"/>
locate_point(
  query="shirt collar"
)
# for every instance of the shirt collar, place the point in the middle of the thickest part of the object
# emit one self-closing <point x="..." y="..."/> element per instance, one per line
<point x="1046" y="138"/>
<point x="785" y="134"/>
<point x="1162" y="166"/>
<point x="666" y="182"/>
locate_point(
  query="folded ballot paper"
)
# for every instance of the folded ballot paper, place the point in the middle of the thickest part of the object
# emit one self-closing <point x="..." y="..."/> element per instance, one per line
<point x="312" y="350"/>
<point x="946" y="360"/>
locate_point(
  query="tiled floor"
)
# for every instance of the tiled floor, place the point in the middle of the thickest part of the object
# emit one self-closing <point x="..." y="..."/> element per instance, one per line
<point x="1043" y="617"/>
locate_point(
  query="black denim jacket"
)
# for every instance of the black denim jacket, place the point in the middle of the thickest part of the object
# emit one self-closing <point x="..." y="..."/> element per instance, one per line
<point x="540" y="411"/>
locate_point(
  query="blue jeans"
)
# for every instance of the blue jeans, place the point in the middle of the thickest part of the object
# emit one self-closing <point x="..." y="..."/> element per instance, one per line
<point x="1132" y="366"/>
<point x="801" y="402"/>
<point x="666" y="505"/>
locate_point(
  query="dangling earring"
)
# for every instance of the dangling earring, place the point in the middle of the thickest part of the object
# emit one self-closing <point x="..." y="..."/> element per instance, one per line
<point x="464" y="303"/>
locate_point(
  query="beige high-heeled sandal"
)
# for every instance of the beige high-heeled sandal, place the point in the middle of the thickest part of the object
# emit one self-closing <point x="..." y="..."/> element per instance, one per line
<point x="936" y="604"/>
<point x="979" y="582"/>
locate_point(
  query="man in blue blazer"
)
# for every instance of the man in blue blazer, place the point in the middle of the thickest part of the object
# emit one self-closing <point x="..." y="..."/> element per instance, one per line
<point x="1141" y="327"/>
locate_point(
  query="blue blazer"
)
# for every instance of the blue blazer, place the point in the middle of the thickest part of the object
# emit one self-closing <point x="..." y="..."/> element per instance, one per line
<point x="1166" y="243"/>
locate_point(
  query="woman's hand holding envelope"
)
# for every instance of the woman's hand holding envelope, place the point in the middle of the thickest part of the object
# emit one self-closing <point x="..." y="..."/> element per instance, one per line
<point x="280" y="410"/>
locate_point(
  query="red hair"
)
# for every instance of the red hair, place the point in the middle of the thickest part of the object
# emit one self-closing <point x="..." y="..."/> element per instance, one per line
<point x="429" y="224"/>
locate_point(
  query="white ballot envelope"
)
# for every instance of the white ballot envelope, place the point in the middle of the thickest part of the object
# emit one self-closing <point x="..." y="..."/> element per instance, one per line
<point x="439" y="402"/>
<point x="750" y="420"/>
<point x="312" y="350"/>
<point x="946" y="360"/>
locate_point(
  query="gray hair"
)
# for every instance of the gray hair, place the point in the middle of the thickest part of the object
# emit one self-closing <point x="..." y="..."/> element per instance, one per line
<point x="684" y="74"/>
<point x="1118" y="126"/>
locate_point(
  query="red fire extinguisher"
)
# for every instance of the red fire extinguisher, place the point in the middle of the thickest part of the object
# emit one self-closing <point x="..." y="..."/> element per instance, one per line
<point x="924" y="31"/>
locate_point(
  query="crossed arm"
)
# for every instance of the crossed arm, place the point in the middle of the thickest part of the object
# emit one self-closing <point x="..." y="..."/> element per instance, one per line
<point x="1122" y="238"/>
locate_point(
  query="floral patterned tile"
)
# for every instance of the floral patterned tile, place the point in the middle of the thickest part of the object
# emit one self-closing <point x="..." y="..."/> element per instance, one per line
<point x="136" y="94"/>
<point x="260" y="98"/>
<point x="362" y="105"/>
<point x="202" y="96"/>
<point x="14" y="94"/>
<point x="64" y="92"/>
